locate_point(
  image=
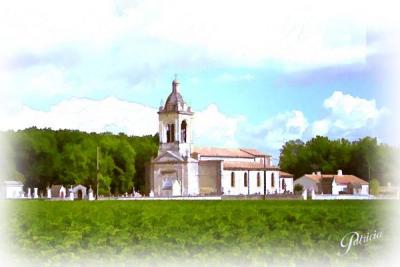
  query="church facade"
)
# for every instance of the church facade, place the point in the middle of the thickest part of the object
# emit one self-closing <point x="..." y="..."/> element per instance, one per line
<point x="180" y="169"/>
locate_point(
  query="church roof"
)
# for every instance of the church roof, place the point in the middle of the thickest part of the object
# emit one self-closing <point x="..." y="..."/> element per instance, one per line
<point x="285" y="174"/>
<point x="245" y="165"/>
<point x="254" y="152"/>
<point x="175" y="100"/>
<point x="221" y="152"/>
<point x="174" y="97"/>
<point x="228" y="152"/>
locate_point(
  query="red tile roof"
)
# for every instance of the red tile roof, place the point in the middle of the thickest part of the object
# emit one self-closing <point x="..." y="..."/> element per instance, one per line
<point x="340" y="179"/>
<point x="317" y="177"/>
<point x="345" y="179"/>
<point x="221" y="152"/>
<point x="254" y="152"/>
<point x="244" y="165"/>
<point x="285" y="174"/>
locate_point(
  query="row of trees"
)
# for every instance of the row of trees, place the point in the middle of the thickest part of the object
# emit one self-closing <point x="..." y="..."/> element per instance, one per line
<point x="43" y="157"/>
<point x="365" y="158"/>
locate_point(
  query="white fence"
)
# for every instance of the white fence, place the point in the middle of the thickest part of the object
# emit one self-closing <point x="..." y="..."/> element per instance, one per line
<point x="349" y="197"/>
<point x="342" y="197"/>
<point x="172" y="198"/>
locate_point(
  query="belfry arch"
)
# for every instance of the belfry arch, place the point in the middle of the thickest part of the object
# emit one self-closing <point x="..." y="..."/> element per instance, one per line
<point x="170" y="133"/>
<point x="184" y="131"/>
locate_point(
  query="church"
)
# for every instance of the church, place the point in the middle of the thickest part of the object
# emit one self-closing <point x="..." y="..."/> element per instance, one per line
<point x="180" y="169"/>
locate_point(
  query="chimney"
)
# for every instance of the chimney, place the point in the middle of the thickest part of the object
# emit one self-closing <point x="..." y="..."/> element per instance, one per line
<point x="319" y="173"/>
<point x="339" y="172"/>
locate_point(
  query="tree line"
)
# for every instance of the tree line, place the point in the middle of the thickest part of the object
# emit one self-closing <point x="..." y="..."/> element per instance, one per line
<point x="364" y="158"/>
<point x="44" y="157"/>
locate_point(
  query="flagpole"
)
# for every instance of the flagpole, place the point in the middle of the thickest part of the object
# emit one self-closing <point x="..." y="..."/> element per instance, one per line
<point x="265" y="179"/>
<point x="97" y="173"/>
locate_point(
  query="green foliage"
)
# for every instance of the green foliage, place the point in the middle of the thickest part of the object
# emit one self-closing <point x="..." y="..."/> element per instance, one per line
<point x="364" y="158"/>
<point x="104" y="185"/>
<point x="374" y="187"/>
<point x="298" y="188"/>
<point x="175" y="230"/>
<point x="43" y="157"/>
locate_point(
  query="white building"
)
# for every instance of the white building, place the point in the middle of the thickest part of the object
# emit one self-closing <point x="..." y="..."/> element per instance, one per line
<point x="334" y="184"/>
<point x="286" y="181"/>
<point x="79" y="191"/>
<point x="13" y="189"/>
<point x="181" y="170"/>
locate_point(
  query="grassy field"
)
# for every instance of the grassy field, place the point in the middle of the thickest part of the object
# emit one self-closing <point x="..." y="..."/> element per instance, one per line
<point x="255" y="231"/>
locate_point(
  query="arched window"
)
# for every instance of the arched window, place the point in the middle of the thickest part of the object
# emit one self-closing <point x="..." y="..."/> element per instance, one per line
<point x="183" y="132"/>
<point x="258" y="179"/>
<point x="283" y="184"/>
<point x="232" y="179"/>
<point x="272" y="180"/>
<point x="245" y="179"/>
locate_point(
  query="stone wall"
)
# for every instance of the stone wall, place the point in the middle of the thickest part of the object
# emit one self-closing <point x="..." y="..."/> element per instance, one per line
<point x="210" y="177"/>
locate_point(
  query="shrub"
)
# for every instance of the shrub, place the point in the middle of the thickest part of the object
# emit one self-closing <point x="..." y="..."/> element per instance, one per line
<point x="298" y="188"/>
<point x="374" y="187"/>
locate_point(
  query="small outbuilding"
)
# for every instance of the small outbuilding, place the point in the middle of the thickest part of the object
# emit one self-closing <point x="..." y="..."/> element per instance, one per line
<point x="79" y="191"/>
<point x="333" y="184"/>
<point x="13" y="189"/>
<point x="285" y="182"/>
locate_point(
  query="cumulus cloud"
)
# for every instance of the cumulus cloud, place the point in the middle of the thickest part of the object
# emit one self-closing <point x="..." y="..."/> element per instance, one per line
<point x="347" y="115"/>
<point x="275" y="131"/>
<point x="109" y="114"/>
<point x="349" y="112"/>
<point x="123" y="43"/>
<point x="213" y="128"/>
<point x="321" y="127"/>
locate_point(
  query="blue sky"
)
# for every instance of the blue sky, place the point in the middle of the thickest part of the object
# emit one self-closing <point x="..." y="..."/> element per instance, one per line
<point x="256" y="73"/>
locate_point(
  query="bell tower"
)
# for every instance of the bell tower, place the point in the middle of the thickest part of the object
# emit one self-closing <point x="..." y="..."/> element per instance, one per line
<point x="175" y="124"/>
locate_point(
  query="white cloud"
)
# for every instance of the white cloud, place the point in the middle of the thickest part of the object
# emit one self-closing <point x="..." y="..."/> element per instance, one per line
<point x="349" y="116"/>
<point x="306" y="33"/>
<point x="275" y="131"/>
<point x="120" y="39"/>
<point x="213" y="128"/>
<point x="109" y="114"/>
<point x="349" y="113"/>
<point x="27" y="26"/>
<point x="321" y="127"/>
